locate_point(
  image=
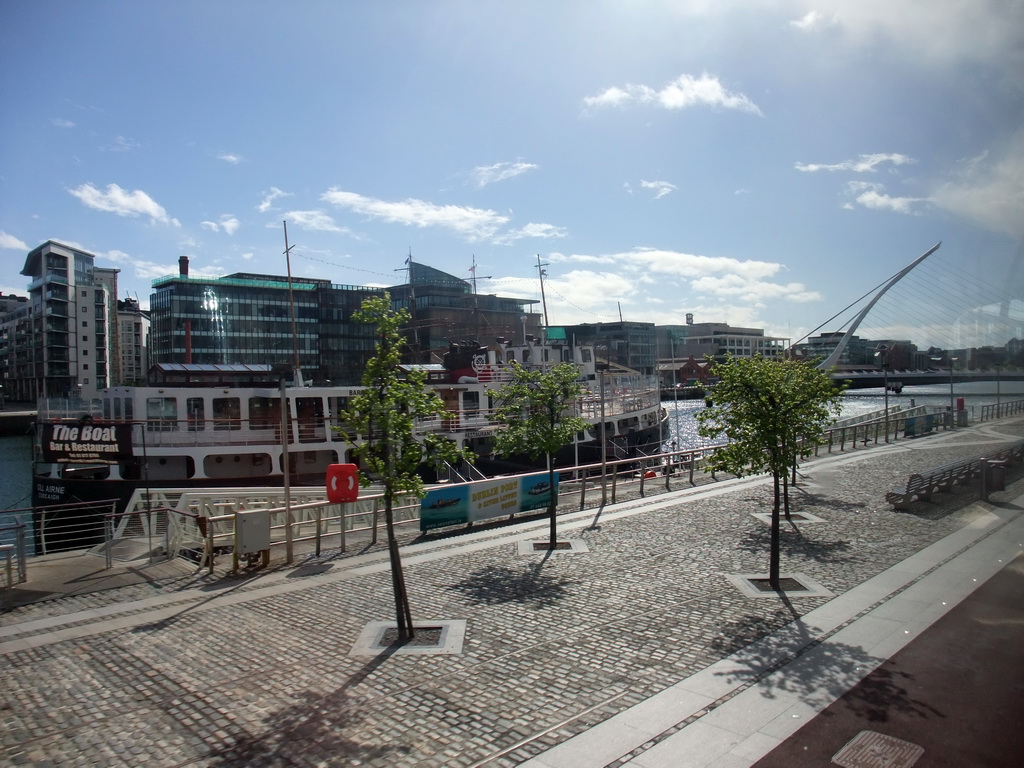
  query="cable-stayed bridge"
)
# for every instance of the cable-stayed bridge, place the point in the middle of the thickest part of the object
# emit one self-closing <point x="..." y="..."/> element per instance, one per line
<point x="939" y="307"/>
<point x="863" y="379"/>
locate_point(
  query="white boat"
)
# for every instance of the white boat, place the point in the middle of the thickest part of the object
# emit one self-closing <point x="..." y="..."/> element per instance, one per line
<point x="195" y="436"/>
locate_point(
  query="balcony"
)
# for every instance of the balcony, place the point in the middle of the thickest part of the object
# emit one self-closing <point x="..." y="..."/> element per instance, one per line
<point x="39" y="282"/>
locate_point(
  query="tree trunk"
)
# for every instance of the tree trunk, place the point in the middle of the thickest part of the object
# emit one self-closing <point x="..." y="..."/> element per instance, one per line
<point x="402" y="609"/>
<point x="552" y="506"/>
<point x="774" y="557"/>
<point x="785" y="495"/>
<point x="403" y="612"/>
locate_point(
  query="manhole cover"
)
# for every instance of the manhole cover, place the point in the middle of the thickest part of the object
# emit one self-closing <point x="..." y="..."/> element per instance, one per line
<point x="870" y="749"/>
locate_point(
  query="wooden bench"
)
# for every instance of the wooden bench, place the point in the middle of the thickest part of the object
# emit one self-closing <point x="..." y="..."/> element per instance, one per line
<point x="917" y="487"/>
<point x="921" y="485"/>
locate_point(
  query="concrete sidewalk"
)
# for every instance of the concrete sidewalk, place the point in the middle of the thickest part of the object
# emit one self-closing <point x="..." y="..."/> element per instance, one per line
<point x="639" y="651"/>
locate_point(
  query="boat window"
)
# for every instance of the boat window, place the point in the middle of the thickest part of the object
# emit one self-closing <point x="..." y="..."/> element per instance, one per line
<point x="264" y="412"/>
<point x="585" y="355"/>
<point x="161" y="414"/>
<point x="310" y="413"/>
<point x="526" y="355"/>
<point x="117" y="408"/>
<point x="106" y="410"/>
<point x="129" y="409"/>
<point x="227" y="413"/>
<point x="510" y="356"/>
<point x="566" y="355"/>
<point x="471" y="402"/>
<point x="196" y="414"/>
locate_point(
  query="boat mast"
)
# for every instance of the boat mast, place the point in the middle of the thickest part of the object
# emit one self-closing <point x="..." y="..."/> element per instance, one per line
<point x="541" y="273"/>
<point x="291" y="302"/>
<point x="476" y="301"/>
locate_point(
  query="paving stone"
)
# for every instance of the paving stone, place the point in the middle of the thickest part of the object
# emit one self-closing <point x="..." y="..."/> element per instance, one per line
<point x="553" y="646"/>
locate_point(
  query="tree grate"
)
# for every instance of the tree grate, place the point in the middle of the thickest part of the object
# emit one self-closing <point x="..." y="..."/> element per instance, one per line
<point x="423" y="637"/>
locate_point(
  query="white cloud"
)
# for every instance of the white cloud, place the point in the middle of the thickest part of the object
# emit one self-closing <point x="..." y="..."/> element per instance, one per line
<point x="122" y="202"/>
<point x="863" y="164"/>
<point x="530" y="230"/>
<point x="491" y="174"/>
<point x="11" y="242"/>
<point x="228" y="157"/>
<point x="874" y="196"/>
<point x="939" y="31"/>
<point x="314" y="220"/>
<point x="683" y="92"/>
<point x="123" y="144"/>
<point x="227" y="224"/>
<point x="141" y="268"/>
<point x="810" y="21"/>
<point x="269" y="198"/>
<point x="471" y="223"/>
<point x="61" y="122"/>
<point x="989" y="189"/>
<point x="661" y="188"/>
<point x="700" y="278"/>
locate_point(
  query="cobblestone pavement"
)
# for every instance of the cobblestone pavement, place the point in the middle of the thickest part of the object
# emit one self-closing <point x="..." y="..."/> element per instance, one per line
<point x="257" y="672"/>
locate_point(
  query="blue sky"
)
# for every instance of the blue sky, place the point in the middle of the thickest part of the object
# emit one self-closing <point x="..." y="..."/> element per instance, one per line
<point x="756" y="163"/>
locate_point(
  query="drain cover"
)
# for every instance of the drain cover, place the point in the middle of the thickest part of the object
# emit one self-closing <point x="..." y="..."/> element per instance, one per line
<point x="869" y="749"/>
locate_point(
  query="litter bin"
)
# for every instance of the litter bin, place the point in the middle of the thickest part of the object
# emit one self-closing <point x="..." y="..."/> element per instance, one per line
<point x="993" y="477"/>
<point x="996" y="475"/>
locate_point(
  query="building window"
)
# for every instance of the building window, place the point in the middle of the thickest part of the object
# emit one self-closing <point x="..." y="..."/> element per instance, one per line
<point x="85" y="337"/>
<point x="85" y="366"/>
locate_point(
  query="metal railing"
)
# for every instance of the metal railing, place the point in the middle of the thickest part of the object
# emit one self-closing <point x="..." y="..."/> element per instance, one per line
<point x="1001" y="410"/>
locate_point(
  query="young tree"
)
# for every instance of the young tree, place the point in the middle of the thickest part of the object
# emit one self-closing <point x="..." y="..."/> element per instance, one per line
<point x="770" y="411"/>
<point x="385" y="414"/>
<point x="536" y="408"/>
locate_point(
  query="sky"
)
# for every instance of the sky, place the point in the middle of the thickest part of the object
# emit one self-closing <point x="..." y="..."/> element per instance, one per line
<point x="759" y="163"/>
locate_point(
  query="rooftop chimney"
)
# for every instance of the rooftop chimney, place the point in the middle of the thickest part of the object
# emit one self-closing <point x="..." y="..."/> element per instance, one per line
<point x="183" y="266"/>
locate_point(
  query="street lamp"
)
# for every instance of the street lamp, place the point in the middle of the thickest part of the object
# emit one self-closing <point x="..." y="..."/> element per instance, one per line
<point x="952" y="413"/>
<point x="952" y="420"/>
<point x="882" y="353"/>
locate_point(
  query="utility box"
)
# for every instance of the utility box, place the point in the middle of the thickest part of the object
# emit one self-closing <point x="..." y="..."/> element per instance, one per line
<point x="252" y="531"/>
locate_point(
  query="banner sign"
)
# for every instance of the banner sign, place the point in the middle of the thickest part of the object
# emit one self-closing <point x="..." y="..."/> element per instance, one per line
<point x="484" y="499"/>
<point x="78" y="443"/>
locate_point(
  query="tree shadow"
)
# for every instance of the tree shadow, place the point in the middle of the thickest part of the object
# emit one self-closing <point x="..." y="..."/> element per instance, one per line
<point x="802" y="500"/>
<point x="835" y="670"/>
<point x="529" y="585"/>
<point x="792" y="542"/>
<point x="316" y="724"/>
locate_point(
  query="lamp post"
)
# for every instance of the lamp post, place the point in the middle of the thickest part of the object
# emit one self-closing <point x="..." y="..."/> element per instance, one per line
<point x="882" y="354"/>
<point x="952" y="413"/>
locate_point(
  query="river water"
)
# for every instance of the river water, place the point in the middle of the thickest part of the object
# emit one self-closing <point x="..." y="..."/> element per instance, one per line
<point x="683" y="424"/>
<point x="16" y="452"/>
